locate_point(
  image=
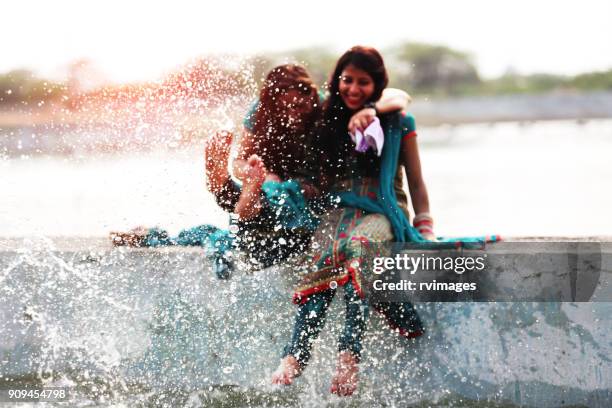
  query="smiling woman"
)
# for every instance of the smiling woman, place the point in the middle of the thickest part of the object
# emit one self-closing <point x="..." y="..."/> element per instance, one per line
<point x="356" y="87"/>
<point x="359" y="78"/>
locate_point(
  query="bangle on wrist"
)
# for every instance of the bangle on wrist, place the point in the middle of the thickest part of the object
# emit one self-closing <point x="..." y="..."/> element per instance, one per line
<point x="423" y="223"/>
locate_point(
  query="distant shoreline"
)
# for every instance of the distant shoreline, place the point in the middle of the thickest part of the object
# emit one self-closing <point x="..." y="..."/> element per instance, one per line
<point x="513" y="108"/>
<point x="428" y="112"/>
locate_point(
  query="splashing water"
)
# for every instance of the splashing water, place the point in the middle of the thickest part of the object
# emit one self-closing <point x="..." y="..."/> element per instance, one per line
<point x="154" y="327"/>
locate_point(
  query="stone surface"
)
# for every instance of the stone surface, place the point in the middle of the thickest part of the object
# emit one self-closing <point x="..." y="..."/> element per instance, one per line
<point x="161" y="320"/>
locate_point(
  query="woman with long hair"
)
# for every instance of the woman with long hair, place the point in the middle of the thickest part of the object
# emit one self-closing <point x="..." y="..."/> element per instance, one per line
<point x="278" y="145"/>
<point x="357" y="81"/>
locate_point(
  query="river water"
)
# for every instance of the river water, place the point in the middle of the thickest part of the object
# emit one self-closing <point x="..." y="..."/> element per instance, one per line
<point x="533" y="178"/>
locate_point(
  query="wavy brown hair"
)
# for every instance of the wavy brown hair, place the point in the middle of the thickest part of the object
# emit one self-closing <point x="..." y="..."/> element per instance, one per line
<point x="282" y="147"/>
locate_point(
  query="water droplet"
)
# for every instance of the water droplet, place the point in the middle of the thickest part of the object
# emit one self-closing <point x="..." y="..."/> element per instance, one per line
<point x="333" y="284"/>
<point x="228" y="370"/>
<point x="233" y="229"/>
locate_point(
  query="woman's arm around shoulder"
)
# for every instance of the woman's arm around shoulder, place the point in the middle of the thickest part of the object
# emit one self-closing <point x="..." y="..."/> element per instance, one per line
<point x="393" y="99"/>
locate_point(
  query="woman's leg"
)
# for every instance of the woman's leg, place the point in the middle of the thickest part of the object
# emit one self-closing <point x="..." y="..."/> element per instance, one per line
<point x="308" y="323"/>
<point x="345" y="379"/>
<point x="355" y="321"/>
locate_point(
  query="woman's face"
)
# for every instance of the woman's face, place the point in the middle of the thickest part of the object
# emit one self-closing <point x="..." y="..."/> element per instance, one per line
<point x="295" y="107"/>
<point x="356" y="87"/>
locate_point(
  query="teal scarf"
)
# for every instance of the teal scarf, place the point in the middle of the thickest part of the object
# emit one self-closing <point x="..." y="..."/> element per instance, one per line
<point x="386" y="201"/>
<point x="289" y="205"/>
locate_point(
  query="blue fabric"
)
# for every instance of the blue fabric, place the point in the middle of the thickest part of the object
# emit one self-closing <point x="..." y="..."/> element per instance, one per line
<point x="289" y="204"/>
<point x="386" y="202"/>
<point x="216" y="241"/>
<point x="207" y="236"/>
<point x="285" y="200"/>
<point x="249" y="119"/>
<point x="310" y="319"/>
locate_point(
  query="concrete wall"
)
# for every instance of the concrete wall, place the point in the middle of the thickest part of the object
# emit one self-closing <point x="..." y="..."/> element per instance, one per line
<point x="161" y="320"/>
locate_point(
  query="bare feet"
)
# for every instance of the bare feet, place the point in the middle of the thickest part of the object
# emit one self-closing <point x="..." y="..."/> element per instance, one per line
<point x="132" y="238"/>
<point x="249" y="204"/>
<point x="344" y="382"/>
<point x="288" y="369"/>
<point x="216" y="157"/>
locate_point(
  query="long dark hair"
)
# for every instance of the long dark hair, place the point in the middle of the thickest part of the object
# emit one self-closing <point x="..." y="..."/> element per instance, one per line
<point x="336" y="114"/>
<point x="279" y="148"/>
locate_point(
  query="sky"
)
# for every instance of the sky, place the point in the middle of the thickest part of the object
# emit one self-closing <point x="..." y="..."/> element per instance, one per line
<point x="137" y="40"/>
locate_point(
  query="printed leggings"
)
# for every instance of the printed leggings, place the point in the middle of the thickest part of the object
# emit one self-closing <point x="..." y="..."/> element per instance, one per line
<point x="401" y="317"/>
<point x="310" y="320"/>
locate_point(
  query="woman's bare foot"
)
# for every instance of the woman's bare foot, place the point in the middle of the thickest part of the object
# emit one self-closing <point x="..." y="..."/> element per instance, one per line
<point x="288" y="369"/>
<point x="249" y="203"/>
<point x="344" y="382"/>
<point x="132" y="238"/>
<point x="216" y="157"/>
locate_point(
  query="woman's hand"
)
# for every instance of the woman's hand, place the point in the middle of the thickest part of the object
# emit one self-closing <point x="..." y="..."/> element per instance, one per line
<point x="361" y="120"/>
<point x="393" y="100"/>
<point x="272" y="177"/>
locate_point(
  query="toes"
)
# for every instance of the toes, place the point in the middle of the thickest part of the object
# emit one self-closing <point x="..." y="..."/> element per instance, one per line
<point x="281" y="379"/>
<point x="283" y="375"/>
<point x="343" y="390"/>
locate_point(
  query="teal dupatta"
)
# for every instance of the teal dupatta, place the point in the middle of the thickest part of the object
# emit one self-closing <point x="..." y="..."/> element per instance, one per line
<point x="386" y="201"/>
<point x="292" y="210"/>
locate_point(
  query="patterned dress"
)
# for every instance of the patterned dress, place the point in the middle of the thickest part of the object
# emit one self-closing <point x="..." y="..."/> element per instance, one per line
<point x="338" y="244"/>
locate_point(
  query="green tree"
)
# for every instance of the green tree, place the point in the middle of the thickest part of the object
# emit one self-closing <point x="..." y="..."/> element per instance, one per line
<point x="21" y="85"/>
<point x="431" y="68"/>
<point x="593" y="81"/>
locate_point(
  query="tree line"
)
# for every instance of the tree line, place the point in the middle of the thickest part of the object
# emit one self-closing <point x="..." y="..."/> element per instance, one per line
<point x="421" y="69"/>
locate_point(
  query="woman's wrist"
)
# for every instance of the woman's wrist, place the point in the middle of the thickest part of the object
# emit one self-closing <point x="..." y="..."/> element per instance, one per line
<point x="371" y="105"/>
<point x="423" y="222"/>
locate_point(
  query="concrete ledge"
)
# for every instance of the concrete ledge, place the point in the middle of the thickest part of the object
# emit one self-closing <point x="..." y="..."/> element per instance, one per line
<point x="161" y="320"/>
<point x="60" y="243"/>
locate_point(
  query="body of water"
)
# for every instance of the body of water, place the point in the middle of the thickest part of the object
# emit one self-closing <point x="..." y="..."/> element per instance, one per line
<point x="533" y="178"/>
